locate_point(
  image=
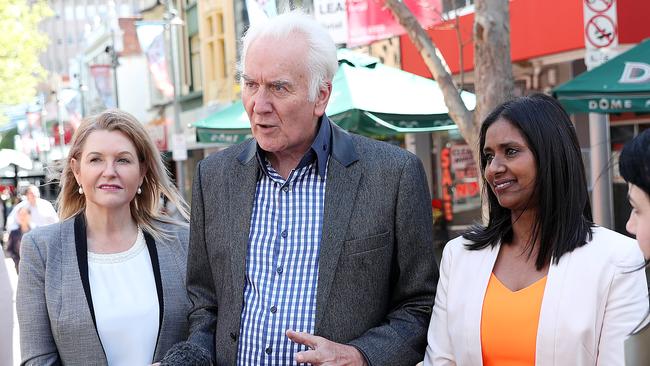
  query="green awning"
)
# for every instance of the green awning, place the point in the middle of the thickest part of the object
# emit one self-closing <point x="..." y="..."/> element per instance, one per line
<point x="222" y="137"/>
<point x="232" y="118"/>
<point x="368" y="98"/>
<point x="621" y="84"/>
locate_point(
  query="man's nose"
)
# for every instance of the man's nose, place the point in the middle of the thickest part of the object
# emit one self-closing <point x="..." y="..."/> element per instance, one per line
<point x="262" y="102"/>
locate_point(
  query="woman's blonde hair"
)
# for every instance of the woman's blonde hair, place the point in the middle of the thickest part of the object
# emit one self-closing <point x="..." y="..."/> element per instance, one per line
<point x="146" y="207"/>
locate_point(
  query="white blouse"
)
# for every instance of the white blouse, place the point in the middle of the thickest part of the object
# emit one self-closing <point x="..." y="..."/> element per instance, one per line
<point x="125" y="302"/>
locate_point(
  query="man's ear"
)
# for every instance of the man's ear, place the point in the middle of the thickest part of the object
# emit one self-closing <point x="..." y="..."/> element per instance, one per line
<point x="322" y="98"/>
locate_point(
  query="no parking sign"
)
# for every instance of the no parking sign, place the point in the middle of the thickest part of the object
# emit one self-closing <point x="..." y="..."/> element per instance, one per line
<point x="601" y="31"/>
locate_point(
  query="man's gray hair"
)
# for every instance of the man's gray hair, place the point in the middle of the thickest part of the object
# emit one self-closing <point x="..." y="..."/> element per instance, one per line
<point x="320" y="59"/>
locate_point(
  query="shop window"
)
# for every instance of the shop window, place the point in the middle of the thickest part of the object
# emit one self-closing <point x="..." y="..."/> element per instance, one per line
<point x="195" y="64"/>
<point x="449" y="5"/>
<point x="460" y="191"/>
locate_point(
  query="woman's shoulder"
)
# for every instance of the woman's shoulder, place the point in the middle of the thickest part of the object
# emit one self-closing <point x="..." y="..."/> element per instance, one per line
<point x="458" y="248"/>
<point x="613" y="246"/>
<point x="51" y="232"/>
<point x="49" y="239"/>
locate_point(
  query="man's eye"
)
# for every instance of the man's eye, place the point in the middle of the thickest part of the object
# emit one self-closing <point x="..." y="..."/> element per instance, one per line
<point x="250" y="84"/>
<point x="278" y="88"/>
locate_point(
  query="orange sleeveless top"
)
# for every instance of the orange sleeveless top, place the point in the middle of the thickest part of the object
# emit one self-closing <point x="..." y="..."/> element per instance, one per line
<point x="509" y="323"/>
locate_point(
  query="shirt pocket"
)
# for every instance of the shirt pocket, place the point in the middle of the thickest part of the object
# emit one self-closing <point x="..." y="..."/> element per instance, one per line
<point x="367" y="244"/>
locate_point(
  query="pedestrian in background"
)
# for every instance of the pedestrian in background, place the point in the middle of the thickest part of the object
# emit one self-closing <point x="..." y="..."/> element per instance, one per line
<point x="6" y="315"/>
<point x="106" y="286"/>
<point x="540" y="284"/>
<point x="16" y="235"/>
<point x="634" y="165"/>
<point x="308" y="245"/>
<point x="42" y="211"/>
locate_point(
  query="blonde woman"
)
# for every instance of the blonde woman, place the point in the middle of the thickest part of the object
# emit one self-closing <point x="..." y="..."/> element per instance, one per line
<point x="106" y="285"/>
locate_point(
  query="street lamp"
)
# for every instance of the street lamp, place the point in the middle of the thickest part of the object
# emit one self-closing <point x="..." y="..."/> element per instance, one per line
<point x="179" y="150"/>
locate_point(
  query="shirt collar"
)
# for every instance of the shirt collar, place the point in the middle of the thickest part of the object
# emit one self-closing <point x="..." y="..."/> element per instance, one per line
<point x="319" y="151"/>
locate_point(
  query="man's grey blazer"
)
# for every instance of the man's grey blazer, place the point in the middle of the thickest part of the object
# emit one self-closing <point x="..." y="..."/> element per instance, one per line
<point x="56" y="322"/>
<point x="377" y="273"/>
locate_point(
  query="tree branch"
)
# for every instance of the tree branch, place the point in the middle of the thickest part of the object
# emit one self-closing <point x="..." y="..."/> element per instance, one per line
<point x="458" y="112"/>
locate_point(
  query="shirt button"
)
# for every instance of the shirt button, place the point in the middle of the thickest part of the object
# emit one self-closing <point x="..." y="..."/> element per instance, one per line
<point x="284" y="234"/>
<point x="279" y="269"/>
<point x="274" y="309"/>
<point x="285" y="189"/>
<point x="268" y="350"/>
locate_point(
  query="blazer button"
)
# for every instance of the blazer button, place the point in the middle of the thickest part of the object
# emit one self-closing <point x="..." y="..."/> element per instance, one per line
<point x="233" y="336"/>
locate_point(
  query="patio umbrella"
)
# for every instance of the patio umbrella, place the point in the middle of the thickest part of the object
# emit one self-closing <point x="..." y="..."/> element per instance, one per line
<point x="10" y="156"/>
<point x="228" y="126"/>
<point x="368" y="98"/>
<point x="621" y="84"/>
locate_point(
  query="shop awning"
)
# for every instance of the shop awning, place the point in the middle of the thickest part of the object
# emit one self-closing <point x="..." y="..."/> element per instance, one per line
<point x="228" y="126"/>
<point x="368" y="98"/>
<point x="620" y="85"/>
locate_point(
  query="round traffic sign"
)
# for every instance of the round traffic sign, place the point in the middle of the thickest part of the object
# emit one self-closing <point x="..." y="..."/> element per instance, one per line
<point x="599" y="6"/>
<point x="600" y="31"/>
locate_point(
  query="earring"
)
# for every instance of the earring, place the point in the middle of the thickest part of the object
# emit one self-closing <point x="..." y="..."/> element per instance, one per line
<point x="139" y="191"/>
<point x="80" y="190"/>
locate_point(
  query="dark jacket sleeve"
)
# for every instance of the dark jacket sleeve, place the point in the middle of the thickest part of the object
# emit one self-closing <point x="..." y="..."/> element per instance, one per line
<point x="200" y="286"/>
<point x="401" y="338"/>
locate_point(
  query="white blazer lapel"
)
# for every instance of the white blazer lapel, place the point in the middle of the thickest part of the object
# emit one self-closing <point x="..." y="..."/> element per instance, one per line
<point x="549" y="312"/>
<point x="476" y="294"/>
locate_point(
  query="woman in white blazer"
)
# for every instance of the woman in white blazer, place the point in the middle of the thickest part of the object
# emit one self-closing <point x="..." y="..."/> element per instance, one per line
<point x="580" y="295"/>
<point x="634" y="164"/>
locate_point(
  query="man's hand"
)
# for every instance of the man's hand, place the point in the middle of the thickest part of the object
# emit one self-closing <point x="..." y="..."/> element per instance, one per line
<point x="323" y="352"/>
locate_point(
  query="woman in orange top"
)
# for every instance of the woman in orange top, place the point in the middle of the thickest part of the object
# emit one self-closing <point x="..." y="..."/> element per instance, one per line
<point x="540" y="284"/>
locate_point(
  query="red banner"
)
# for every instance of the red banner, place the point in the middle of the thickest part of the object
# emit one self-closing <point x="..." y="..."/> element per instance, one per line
<point x="102" y="78"/>
<point x="371" y="20"/>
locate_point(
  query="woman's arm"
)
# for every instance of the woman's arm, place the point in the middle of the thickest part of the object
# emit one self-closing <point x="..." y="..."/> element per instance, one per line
<point x="36" y="341"/>
<point x="627" y="305"/>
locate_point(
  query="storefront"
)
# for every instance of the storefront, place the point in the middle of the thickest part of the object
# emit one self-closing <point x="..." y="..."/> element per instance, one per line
<point x="618" y="94"/>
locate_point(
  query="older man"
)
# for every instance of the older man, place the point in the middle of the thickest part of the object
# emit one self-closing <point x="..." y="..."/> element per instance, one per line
<point x="308" y="244"/>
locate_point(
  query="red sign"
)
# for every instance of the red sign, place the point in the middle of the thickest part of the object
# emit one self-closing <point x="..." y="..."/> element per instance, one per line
<point x="446" y="182"/>
<point x="371" y="20"/>
<point x="157" y="130"/>
<point x="465" y="172"/>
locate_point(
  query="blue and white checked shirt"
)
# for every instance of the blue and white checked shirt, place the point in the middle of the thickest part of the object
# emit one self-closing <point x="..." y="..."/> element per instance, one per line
<point x="282" y="257"/>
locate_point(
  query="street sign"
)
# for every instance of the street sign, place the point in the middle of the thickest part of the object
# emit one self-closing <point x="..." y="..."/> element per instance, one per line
<point x="599" y="6"/>
<point x="601" y="31"/>
<point x="179" y="147"/>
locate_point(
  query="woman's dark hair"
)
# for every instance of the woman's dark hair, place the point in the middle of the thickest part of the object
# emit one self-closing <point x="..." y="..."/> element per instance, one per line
<point x="634" y="162"/>
<point x="563" y="221"/>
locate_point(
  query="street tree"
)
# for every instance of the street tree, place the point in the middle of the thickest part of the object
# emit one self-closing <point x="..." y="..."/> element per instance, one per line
<point x="21" y="42"/>
<point x="493" y="78"/>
